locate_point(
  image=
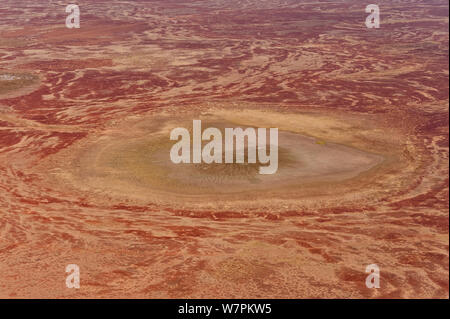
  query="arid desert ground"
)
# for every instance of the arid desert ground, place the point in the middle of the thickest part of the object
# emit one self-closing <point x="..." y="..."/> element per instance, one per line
<point x="85" y="177"/>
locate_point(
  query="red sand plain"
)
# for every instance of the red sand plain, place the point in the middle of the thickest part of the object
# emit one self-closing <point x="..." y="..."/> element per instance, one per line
<point x="82" y="109"/>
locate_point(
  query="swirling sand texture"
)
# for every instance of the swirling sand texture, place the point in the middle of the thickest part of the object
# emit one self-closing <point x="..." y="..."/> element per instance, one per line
<point x="85" y="176"/>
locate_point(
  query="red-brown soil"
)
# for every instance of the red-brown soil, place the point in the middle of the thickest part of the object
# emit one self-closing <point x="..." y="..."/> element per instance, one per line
<point x="363" y="178"/>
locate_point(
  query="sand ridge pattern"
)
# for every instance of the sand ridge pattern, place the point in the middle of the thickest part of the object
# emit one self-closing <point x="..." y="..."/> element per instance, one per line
<point x="85" y="175"/>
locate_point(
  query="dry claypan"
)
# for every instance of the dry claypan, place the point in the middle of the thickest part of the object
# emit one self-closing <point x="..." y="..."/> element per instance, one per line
<point x="322" y="159"/>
